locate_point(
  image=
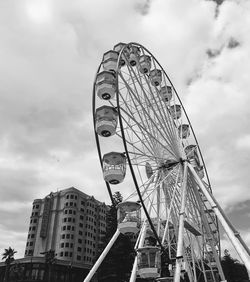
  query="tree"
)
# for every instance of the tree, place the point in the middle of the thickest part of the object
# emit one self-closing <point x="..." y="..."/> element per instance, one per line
<point x="8" y="256"/>
<point x="118" y="263"/>
<point x="234" y="271"/>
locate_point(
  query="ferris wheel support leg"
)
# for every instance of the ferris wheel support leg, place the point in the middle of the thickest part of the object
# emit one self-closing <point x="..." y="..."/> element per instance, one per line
<point x="179" y="252"/>
<point x="133" y="273"/>
<point x="206" y="225"/>
<point x="232" y="234"/>
<point x="101" y="257"/>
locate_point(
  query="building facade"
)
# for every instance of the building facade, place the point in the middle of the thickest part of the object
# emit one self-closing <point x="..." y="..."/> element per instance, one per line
<point x="69" y="222"/>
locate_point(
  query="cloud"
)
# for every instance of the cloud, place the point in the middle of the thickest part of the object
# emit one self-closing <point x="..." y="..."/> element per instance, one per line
<point x="217" y="103"/>
<point x="243" y="142"/>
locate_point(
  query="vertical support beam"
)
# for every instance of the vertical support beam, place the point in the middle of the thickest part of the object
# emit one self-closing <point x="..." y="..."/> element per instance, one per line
<point x="101" y="257"/>
<point x="231" y="232"/>
<point x="179" y="252"/>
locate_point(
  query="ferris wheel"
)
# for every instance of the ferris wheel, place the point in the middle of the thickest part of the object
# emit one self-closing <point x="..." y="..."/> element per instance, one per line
<point x="148" y="150"/>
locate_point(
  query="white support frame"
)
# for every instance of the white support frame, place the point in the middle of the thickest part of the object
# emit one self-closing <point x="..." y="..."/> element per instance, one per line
<point x="231" y="232"/>
<point x="101" y="257"/>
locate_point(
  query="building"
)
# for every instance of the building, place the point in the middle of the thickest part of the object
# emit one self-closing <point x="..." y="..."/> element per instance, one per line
<point x="69" y="222"/>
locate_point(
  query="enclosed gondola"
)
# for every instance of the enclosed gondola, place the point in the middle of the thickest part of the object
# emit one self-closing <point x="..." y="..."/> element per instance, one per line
<point x="106" y="121"/>
<point x="149" y="262"/>
<point x="114" y="167"/>
<point x="166" y="93"/>
<point x="155" y="77"/>
<point x="109" y="60"/>
<point x="128" y="217"/>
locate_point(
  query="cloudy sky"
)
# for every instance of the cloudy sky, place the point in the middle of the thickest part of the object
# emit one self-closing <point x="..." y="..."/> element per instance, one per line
<point x="49" y="53"/>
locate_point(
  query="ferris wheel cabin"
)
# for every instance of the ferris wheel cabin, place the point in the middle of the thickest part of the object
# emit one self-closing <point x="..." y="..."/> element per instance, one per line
<point x="134" y="54"/>
<point x="128" y="217"/>
<point x="166" y="93"/>
<point x="109" y="60"/>
<point x="114" y="167"/>
<point x="118" y="47"/>
<point x="175" y="111"/>
<point x="183" y="131"/>
<point x="144" y="64"/>
<point x="155" y="77"/>
<point x="149" y="262"/>
<point x="106" y="85"/>
<point x="106" y="121"/>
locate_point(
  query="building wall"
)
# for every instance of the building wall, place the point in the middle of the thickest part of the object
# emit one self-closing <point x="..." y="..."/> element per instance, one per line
<point x="69" y="222"/>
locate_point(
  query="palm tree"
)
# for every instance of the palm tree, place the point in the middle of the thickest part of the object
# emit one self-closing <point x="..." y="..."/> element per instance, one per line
<point x="8" y="256"/>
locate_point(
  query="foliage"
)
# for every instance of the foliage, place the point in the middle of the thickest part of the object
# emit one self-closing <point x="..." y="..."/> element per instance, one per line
<point x="8" y="256"/>
<point x="234" y="271"/>
<point x="118" y="263"/>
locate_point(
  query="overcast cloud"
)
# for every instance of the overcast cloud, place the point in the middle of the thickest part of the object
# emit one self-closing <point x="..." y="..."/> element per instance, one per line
<point x="49" y="53"/>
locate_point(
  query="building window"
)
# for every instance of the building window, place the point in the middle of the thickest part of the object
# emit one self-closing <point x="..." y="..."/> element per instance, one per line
<point x="71" y="245"/>
<point x="79" y="249"/>
<point x="81" y="217"/>
<point x="67" y="196"/>
<point x="66" y="245"/>
<point x="80" y="241"/>
<point x="80" y="224"/>
<point x="70" y="254"/>
<point x="64" y="227"/>
<point x="66" y="254"/>
<point x="65" y="219"/>
<point x="63" y="236"/>
<point x="32" y="236"/>
<point x="71" y="196"/>
<point x="70" y="211"/>
<point x="74" y="212"/>
<point x="67" y="236"/>
<point x="78" y="257"/>
<point x="61" y="254"/>
<point x="62" y="245"/>
<point x="33" y="228"/>
<point x="80" y="232"/>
